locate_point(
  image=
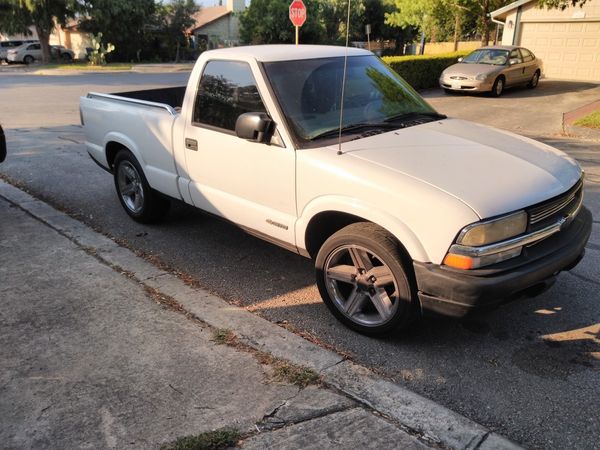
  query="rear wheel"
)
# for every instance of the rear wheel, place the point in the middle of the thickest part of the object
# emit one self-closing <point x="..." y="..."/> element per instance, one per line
<point x="66" y="57"/>
<point x="140" y="201"/>
<point x="534" y="80"/>
<point x="28" y="59"/>
<point x="498" y="87"/>
<point x="365" y="281"/>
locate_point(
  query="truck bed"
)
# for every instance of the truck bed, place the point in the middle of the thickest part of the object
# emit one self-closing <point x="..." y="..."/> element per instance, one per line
<point x="172" y="96"/>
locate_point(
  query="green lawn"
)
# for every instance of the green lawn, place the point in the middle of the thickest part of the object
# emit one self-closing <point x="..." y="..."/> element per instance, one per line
<point x="591" y="120"/>
<point x="82" y="66"/>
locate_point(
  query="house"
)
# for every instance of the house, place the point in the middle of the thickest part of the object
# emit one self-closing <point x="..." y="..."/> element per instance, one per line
<point x="218" y="26"/>
<point x="567" y="41"/>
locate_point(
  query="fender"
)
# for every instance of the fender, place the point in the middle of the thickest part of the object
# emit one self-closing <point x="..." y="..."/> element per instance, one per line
<point x="357" y="208"/>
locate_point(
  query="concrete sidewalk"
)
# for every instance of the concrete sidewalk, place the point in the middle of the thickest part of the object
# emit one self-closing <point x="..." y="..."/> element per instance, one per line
<point x="100" y="349"/>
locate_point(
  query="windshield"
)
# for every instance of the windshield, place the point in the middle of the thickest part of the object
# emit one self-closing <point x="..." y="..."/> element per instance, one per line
<point x="309" y="92"/>
<point x="494" y="57"/>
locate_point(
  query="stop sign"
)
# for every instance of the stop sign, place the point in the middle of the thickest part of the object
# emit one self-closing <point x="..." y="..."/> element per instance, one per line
<point x="297" y="13"/>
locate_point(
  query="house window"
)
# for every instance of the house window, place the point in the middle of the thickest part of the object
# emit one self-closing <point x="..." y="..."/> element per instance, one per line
<point x="227" y="89"/>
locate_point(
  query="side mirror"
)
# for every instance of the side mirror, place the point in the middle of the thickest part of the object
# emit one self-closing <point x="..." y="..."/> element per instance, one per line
<point x="254" y="126"/>
<point x="513" y="61"/>
<point x="460" y="59"/>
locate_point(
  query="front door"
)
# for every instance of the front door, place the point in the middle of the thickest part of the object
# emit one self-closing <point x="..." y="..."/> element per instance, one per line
<point x="251" y="184"/>
<point x="514" y="74"/>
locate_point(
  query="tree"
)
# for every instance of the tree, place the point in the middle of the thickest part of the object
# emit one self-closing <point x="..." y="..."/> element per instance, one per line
<point x="128" y="24"/>
<point x="267" y="22"/>
<point x="561" y="4"/>
<point x="176" y="18"/>
<point x="43" y="15"/>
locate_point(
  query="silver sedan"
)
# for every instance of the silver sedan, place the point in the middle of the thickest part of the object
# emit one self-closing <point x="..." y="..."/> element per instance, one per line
<point x="491" y="69"/>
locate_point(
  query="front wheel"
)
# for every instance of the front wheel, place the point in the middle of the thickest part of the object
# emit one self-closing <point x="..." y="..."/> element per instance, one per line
<point x="28" y="59"/>
<point x="140" y="201"/>
<point x="498" y="87"/>
<point x="364" y="281"/>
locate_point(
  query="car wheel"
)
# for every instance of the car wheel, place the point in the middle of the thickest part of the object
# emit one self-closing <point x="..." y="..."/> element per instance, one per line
<point x="498" y="87"/>
<point x="365" y="281"/>
<point x="534" y="80"/>
<point x="448" y="91"/>
<point x="28" y="59"/>
<point x="140" y="201"/>
<point x="66" y="57"/>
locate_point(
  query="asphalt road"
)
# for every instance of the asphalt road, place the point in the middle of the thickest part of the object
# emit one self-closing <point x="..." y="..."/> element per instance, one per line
<point x="529" y="370"/>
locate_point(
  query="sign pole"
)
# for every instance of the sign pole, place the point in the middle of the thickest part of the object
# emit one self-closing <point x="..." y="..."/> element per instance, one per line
<point x="297" y="28"/>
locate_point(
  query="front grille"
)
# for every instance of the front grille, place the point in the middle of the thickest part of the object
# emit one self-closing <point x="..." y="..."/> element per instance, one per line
<point x="458" y="78"/>
<point x="548" y="212"/>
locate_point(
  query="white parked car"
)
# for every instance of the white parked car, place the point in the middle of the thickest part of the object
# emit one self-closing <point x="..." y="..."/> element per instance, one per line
<point x="26" y="53"/>
<point x="409" y="212"/>
<point x="5" y="46"/>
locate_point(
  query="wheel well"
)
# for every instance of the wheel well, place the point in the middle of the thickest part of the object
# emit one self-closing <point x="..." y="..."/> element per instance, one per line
<point x="324" y="225"/>
<point x="112" y="148"/>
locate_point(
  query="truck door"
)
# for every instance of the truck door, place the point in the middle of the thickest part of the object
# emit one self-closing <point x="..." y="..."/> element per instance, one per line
<point x="251" y="184"/>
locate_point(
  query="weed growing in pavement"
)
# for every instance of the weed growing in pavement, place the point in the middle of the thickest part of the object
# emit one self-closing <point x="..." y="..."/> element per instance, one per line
<point x="224" y="336"/>
<point x="301" y="376"/>
<point x="210" y="440"/>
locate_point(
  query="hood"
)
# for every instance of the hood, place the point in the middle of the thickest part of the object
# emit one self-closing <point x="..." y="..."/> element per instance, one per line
<point x="471" y="70"/>
<point x="492" y="171"/>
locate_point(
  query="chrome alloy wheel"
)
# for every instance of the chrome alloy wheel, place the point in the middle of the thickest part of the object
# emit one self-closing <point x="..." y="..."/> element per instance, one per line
<point x="130" y="187"/>
<point x="361" y="285"/>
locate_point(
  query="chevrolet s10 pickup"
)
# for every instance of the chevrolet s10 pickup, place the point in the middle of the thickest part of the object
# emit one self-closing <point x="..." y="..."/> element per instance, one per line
<point x="405" y="211"/>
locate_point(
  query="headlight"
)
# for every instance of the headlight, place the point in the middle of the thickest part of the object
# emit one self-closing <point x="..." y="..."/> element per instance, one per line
<point x="496" y="230"/>
<point x="481" y="77"/>
<point x="475" y="247"/>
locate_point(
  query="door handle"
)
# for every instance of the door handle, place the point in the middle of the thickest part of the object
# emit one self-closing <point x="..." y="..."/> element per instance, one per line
<point x="191" y="144"/>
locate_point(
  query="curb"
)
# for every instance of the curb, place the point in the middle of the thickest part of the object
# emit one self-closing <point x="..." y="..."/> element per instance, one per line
<point x="408" y="409"/>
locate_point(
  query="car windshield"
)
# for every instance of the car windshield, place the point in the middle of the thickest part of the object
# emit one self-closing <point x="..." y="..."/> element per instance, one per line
<point x="309" y="92"/>
<point x="494" y="57"/>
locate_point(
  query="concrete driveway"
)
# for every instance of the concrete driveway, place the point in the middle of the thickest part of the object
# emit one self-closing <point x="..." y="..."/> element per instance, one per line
<point x="532" y="112"/>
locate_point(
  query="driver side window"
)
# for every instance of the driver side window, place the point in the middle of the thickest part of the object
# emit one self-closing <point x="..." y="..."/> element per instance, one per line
<point x="227" y="89"/>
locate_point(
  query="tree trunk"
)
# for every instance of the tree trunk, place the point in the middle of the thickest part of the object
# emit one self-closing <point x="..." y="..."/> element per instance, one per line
<point x="44" y="37"/>
<point x="177" y="53"/>
<point x="485" y="22"/>
<point x="456" y="30"/>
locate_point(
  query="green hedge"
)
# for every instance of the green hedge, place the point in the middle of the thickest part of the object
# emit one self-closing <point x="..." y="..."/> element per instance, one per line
<point x="422" y="71"/>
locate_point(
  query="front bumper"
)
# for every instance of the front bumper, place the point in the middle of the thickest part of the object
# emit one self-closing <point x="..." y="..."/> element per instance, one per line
<point x="465" y="85"/>
<point x="456" y="293"/>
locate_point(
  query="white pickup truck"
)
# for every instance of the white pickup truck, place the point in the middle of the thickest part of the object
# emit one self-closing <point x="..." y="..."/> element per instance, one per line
<point x="404" y="211"/>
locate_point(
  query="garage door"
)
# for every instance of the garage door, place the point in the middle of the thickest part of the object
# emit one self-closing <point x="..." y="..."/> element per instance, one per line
<point x="569" y="50"/>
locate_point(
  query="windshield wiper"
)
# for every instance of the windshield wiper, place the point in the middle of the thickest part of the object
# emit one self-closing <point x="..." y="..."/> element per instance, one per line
<point x="412" y="115"/>
<point x="354" y="127"/>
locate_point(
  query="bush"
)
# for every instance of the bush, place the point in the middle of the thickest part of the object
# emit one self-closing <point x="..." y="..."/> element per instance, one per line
<point x="422" y="71"/>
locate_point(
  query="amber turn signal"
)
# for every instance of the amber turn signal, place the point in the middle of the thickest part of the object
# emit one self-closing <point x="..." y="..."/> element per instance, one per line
<point x="458" y="261"/>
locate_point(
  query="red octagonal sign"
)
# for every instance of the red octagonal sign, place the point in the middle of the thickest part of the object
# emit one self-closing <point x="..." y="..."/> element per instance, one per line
<point x="297" y="13"/>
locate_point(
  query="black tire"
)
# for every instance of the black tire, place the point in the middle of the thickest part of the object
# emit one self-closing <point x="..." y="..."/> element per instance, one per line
<point x="535" y="79"/>
<point x="448" y="91"/>
<point x="498" y="87"/>
<point x="358" y="303"/>
<point x="66" y="57"/>
<point x="142" y="203"/>
<point x="28" y="59"/>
